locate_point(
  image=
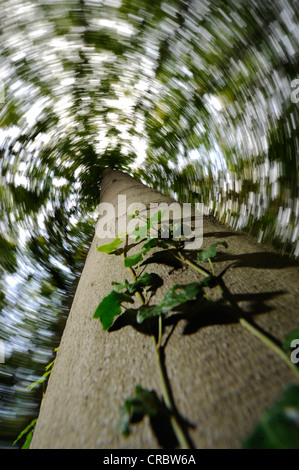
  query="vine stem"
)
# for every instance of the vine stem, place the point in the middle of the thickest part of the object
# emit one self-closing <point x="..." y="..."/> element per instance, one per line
<point x="179" y="433"/>
<point x="259" y="334"/>
<point x="134" y="276"/>
<point x="271" y="344"/>
<point x="249" y="326"/>
<point x="202" y="271"/>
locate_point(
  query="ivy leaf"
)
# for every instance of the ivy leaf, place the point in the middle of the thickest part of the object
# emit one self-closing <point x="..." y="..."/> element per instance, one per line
<point x="177" y="295"/>
<point x="110" y="307"/>
<point x="144" y="402"/>
<point x="142" y="230"/>
<point x="166" y="257"/>
<point x="155" y="219"/>
<point x="110" y="246"/>
<point x="210" y="252"/>
<point x="133" y="259"/>
<point x="120" y="286"/>
<point x="153" y="242"/>
<point x="146" y="280"/>
<point x="279" y="426"/>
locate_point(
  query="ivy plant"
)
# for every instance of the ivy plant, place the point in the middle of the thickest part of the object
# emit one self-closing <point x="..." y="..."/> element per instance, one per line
<point x="124" y="294"/>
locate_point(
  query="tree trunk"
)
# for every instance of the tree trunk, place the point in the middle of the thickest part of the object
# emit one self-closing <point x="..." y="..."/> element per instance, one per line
<point x="221" y="376"/>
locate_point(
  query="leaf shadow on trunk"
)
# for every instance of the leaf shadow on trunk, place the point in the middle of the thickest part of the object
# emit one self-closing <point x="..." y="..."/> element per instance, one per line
<point x="200" y="313"/>
<point x="196" y="314"/>
<point x="203" y="313"/>
<point x="257" y="260"/>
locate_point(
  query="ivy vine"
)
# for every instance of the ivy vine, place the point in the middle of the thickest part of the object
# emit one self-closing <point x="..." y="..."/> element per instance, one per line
<point x="121" y="301"/>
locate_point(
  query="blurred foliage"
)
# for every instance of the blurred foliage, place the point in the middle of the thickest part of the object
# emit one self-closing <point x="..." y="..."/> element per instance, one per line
<point x="193" y="97"/>
<point x="279" y="425"/>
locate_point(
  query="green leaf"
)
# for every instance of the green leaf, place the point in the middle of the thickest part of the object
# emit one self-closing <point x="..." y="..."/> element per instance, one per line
<point x="139" y="232"/>
<point x="152" y="281"/>
<point x="153" y="242"/>
<point x="289" y="338"/>
<point x="142" y="230"/>
<point x="25" y="431"/>
<point x="144" y="402"/>
<point x="279" y="426"/>
<point x="133" y="259"/>
<point x="110" y="246"/>
<point x="110" y="307"/>
<point x="146" y="280"/>
<point x="155" y="219"/>
<point x="177" y="295"/>
<point x="120" y="286"/>
<point x="125" y="417"/>
<point x="210" y="252"/>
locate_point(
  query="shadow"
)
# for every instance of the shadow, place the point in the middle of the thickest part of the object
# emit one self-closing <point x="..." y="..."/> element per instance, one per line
<point x="161" y="421"/>
<point x="129" y="318"/>
<point x="185" y="424"/>
<point x="202" y="313"/>
<point x="160" y="418"/>
<point x="162" y="428"/>
<point x="258" y="260"/>
<point x="199" y="314"/>
<point x="257" y="299"/>
<point x="156" y="282"/>
<point x="165" y="257"/>
<point x="223" y="234"/>
<point x="196" y="314"/>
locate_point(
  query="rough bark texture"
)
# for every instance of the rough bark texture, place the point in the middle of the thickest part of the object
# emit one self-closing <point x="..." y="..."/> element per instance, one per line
<point x="222" y="377"/>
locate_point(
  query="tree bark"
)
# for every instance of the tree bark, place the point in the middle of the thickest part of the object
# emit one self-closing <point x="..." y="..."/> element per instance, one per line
<point x="222" y="378"/>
